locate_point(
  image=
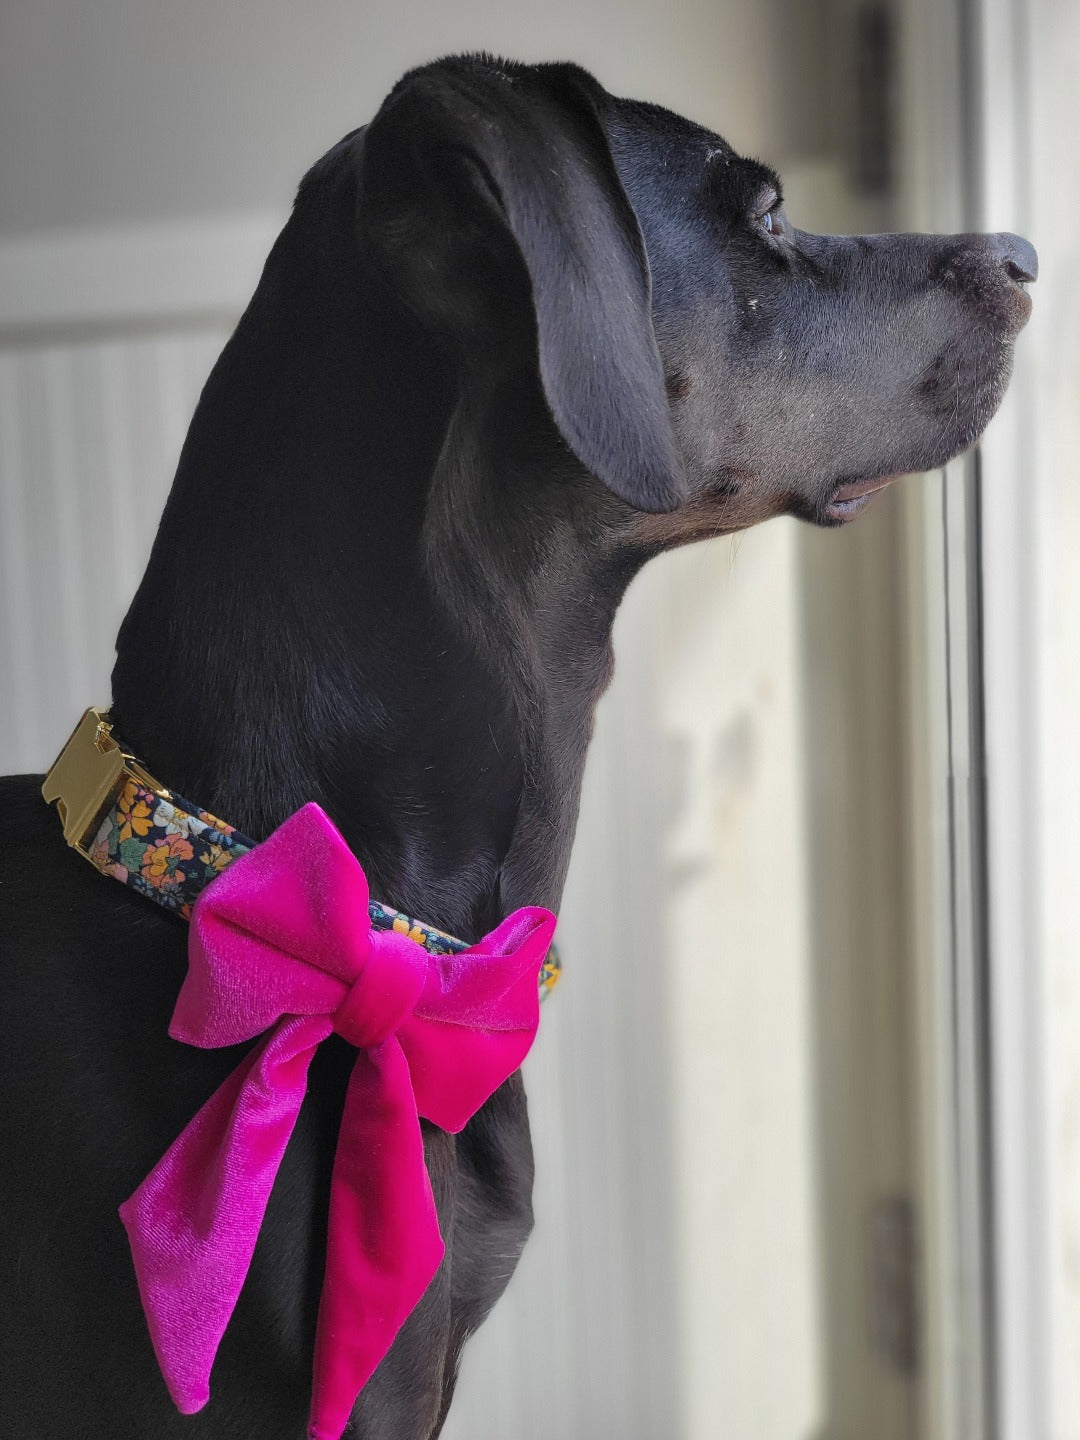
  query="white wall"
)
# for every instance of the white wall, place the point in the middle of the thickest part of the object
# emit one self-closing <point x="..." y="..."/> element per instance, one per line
<point x="740" y="960"/>
<point x="1033" y="584"/>
<point x="122" y="111"/>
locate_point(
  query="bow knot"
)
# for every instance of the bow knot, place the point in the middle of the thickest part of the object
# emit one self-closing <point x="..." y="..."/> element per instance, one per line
<point x="384" y="993"/>
<point x="282" y="941"/>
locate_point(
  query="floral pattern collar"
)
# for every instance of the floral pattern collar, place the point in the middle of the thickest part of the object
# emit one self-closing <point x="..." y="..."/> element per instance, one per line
<point x="169" y="850"/>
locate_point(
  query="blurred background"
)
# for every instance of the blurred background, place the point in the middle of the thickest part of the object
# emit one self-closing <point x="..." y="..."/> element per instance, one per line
<point x="807" y="1110"/>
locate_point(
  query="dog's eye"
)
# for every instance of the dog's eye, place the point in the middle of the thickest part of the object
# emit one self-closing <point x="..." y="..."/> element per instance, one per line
<point x="767" y="213"/>
<point x="772" y="221"/>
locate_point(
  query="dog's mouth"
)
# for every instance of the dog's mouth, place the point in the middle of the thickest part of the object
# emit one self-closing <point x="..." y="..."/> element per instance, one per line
<point x="852" y="498"/>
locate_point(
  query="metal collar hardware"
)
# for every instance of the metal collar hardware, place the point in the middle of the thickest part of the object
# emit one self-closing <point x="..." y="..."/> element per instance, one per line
<point x="88" y="775"/>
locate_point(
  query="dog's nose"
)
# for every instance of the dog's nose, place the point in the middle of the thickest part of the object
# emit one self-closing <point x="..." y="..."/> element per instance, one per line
<point x="1017" y="256"/>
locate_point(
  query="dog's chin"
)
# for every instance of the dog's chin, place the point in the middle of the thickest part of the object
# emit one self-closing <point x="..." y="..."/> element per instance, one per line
<point x="847" y="496"/>
<point x="845" y="499"/>
<point x="849" y="499"/>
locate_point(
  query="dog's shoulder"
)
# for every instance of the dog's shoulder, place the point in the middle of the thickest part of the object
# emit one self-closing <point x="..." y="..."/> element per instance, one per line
<point x="69" y="935"/>
<point x="34" y="859"/>
<point x="21" y="804"/>
<point x="41" y="877"/>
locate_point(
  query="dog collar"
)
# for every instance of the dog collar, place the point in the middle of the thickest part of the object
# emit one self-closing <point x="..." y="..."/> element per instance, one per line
<point x="286" y="948"/>
<point x="130" y="826"/>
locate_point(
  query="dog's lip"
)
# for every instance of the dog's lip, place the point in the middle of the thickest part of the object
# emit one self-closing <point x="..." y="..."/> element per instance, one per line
<point x="852" y="497"/>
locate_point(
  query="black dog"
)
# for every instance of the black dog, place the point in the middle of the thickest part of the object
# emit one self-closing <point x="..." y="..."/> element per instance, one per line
<point x="517" y="337"/>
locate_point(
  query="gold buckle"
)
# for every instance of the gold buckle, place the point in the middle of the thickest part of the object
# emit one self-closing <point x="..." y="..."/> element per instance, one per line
<point x="88" y="775"/>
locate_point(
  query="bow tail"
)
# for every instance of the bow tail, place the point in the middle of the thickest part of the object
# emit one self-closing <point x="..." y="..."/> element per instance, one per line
<point x="383" y="1240"/>
<point x="194" y="1220"/>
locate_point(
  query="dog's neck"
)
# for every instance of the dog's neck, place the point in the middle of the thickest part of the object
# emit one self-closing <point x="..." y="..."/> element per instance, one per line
<point x="352" y="600"/>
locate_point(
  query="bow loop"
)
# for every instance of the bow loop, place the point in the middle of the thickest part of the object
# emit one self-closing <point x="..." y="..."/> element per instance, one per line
<point x="283" y="939"/>
<point x="487" y="998"/>
<point x="283" y="931"/>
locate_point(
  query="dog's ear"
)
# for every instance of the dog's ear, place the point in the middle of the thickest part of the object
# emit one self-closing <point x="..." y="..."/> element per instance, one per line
<point x="525" y="144"/>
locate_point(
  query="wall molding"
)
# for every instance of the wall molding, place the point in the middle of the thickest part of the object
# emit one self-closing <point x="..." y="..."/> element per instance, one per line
<point x="63" y="282"/>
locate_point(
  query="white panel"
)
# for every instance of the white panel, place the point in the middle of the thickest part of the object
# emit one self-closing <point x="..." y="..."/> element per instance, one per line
<point x="1010" y="601"/>
<point x="1050" y="437"/>
<point x="740" y="966"/>
<point x="90" y="431"/>
<point x="17" y="564"/>
<point x="1029" y="58"/>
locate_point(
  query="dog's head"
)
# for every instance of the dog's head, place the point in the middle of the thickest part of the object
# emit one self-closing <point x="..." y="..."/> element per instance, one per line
<point x="698" y="354"/>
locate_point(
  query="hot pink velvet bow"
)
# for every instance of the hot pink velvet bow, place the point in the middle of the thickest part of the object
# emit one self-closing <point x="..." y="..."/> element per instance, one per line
<point x="283" y="938"/>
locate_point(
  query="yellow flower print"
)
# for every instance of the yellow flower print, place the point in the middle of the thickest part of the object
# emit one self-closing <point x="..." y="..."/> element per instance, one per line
<point x="550" y="974"/>
<point x="155" y="861"/>
<point x="134" y="814"/>
<point x="414" y="932"/>
<point x="215" y="857"/>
